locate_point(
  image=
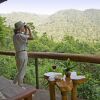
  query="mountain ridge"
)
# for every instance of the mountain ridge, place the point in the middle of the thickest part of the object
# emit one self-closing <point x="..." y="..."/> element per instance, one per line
<point x="79" y="24"/>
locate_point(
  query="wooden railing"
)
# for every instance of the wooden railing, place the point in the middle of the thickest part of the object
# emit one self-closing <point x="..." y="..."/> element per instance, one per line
<point x="57" y="56"/>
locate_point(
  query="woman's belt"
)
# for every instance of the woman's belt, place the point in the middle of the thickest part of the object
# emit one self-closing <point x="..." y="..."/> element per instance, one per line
<point x="20" y="51"/>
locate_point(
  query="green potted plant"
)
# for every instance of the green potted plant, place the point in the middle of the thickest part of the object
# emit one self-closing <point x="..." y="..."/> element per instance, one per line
<point x="67" y="67"/>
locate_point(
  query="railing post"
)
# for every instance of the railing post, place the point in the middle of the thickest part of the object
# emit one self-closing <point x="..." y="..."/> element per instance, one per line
<point x="36" y="73"/>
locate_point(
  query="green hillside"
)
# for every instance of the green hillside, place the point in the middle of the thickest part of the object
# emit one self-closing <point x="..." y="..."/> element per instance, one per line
<point x="83" y="25"/>
<point x="80" y="24"/>
<point x="11" y="18"/>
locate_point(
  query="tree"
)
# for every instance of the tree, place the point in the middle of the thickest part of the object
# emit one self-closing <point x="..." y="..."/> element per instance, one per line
<point x="4" y="32"/>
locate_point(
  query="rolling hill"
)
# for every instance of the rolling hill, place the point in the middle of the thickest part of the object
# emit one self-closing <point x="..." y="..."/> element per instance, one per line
<point x="83" y="25"/>
<point x="80" y="24"/>
<point x="11" y="18"/>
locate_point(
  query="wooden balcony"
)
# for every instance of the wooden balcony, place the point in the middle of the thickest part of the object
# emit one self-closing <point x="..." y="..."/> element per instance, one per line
<point x="57" y="56"/>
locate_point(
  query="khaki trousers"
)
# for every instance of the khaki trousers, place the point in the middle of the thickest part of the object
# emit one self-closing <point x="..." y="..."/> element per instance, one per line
<point x="21" y="62"/>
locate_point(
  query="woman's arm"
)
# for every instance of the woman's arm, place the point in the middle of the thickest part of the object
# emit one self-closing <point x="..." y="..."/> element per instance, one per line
<point x="29" y="33"/>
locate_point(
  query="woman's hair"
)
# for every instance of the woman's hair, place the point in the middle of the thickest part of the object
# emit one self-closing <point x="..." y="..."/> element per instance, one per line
<point x="16" y="31"/>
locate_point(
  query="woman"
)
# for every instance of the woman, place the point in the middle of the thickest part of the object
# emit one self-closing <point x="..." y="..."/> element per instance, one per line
<point x="22" y="33"/>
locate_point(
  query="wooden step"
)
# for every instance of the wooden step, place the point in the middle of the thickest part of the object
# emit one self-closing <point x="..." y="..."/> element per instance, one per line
<point x="10" y="91"/>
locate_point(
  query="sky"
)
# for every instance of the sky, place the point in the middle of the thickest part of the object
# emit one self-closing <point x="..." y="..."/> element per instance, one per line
<point x="47" y="6"/>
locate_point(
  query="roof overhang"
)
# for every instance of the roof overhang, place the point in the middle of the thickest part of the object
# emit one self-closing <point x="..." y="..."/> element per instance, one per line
<point x="1" y="1"/>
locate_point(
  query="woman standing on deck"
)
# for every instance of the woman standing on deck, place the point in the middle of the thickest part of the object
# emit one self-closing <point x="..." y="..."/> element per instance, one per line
<point x="22" y="33"/>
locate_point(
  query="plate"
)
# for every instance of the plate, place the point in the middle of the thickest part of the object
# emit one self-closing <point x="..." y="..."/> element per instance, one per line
<point x="52" y="74"/>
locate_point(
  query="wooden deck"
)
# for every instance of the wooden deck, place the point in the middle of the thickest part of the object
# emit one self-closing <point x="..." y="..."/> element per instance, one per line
<point x="44" y="95"/>
<point x="8" y="89"/>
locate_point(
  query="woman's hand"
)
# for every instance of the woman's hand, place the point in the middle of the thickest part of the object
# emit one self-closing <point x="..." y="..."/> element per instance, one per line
<point x="28" y="30"/>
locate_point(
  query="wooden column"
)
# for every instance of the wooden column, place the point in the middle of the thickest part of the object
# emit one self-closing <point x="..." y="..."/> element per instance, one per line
<point x="76" y="81"/>
<point x="74" y="92"/>
<point x="64" y="95"/>
<point x="36" y="73"/>
<point x="29" y="97"/>
<point x="52" y="90"/>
